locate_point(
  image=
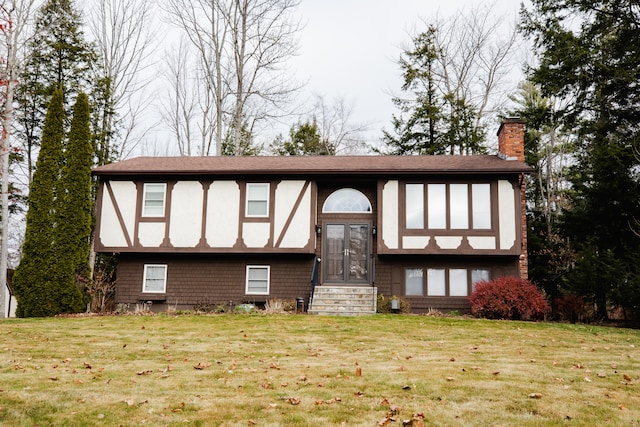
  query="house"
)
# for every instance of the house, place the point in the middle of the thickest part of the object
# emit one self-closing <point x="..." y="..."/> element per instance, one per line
<point x="334" y="231"/>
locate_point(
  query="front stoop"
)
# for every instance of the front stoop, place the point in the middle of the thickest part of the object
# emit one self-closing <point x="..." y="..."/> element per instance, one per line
<point x="343" y="300"/>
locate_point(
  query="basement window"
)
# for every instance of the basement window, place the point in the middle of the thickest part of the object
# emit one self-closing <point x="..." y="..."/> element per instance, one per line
<point x="258" y="278"/>
<point x="155" y="278"/>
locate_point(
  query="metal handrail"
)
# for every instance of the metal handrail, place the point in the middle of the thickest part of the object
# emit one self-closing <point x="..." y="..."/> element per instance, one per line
<point x="315" y="274"/>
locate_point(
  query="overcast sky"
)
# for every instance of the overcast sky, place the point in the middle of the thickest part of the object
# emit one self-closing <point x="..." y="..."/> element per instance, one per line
<point x="350" y="48"/>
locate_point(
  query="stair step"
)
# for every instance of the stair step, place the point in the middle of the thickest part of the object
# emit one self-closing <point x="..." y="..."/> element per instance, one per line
<point x="343" y="300"/>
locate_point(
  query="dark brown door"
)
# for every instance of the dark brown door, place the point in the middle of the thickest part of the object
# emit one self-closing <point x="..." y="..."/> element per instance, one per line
<point x="346" y="257"/>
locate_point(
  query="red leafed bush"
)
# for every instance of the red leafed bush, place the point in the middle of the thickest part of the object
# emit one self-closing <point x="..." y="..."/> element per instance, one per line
<point x="508" y="298"/>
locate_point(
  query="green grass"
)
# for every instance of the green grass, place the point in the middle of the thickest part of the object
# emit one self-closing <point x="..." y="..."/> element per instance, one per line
<point x="296" y="370"/>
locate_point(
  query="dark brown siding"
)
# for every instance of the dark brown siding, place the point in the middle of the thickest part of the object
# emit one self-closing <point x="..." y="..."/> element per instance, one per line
<point x="214" y="280"/>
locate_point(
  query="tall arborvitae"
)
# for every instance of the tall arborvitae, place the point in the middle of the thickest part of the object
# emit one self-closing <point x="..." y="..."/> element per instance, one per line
<point x="35" y="278"/>
<point x="74" y="214"/>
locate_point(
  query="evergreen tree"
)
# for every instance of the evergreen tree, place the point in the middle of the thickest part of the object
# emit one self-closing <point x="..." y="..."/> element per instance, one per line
<point x="421" y="132"/>
<point x="548" y="151"/>
<point x="57" y="220"/>
<point x="58" y="56"/>
<point x="304" y="139"/>
<point x="73" y="233"/>
<point x="34" y="280"/>
<point x="589" y="53"/>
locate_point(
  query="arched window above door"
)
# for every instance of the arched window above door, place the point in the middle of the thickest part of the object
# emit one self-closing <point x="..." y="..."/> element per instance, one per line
<point x="347" y="200"/>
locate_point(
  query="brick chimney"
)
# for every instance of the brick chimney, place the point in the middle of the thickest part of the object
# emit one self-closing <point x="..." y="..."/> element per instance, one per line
<point x="511" y="139"/>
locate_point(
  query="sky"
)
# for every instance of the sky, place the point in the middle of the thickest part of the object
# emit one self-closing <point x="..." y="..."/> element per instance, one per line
<point x="350" y="48"/>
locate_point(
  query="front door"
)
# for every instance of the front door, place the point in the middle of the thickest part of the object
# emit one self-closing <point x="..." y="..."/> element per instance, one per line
<point x="346" y="253"/>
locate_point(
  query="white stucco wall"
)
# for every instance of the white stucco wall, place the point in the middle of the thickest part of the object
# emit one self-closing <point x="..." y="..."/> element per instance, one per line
<point x="186" y="214"/>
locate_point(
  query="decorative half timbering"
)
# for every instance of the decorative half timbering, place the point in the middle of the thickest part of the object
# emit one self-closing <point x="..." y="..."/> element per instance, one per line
<point x="206" y="216"/>
<point x="440" y="217"/>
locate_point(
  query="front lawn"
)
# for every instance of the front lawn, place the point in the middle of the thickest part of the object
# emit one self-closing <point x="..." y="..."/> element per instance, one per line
<point x="299" y="370"/>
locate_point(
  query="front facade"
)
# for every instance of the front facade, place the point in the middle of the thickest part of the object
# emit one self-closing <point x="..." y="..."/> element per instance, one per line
<point x="232" y="230"/>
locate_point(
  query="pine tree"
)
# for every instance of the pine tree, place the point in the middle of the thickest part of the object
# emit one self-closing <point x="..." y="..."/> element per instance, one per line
<point x="58" y="56"/>
<point x="588" y="56"/>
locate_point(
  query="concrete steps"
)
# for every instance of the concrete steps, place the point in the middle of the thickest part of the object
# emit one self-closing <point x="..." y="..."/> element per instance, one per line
<point x="343" y="300"/>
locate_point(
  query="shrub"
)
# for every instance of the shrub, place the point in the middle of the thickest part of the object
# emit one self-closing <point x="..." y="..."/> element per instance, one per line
<point x="508" y="298"/>
<point x="573" y="308"/>
<point x="384" y="304"/>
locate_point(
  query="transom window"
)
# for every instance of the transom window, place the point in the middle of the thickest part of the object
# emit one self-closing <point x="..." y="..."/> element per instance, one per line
<point x="442" y="282"/>
<point x="346" y="200"/>
<point x="155" y="278"/>
<point x="257" y="200"/>
<point x="258" y="278"/>
<point x="153" y="200"/>
<point x="448" y="206"/>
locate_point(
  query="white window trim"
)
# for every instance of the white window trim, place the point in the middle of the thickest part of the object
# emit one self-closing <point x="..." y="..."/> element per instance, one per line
<point x="164" y="280"/>
<point x="246" y="288"/>
<point x="246" y="208"/>
<point x="164" y="200"/>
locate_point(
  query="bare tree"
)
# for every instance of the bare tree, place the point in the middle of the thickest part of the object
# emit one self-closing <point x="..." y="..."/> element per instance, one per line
<point x="242" y="47"/>
<point x="337" y="130"/>
<point x="124" y="36"/>
<point x="14" y="18"/>
<point x="190" y="114"/>
<point x="473" y="60"/>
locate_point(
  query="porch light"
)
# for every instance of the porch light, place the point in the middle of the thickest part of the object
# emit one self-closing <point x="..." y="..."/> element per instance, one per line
<point x="374" y="230"/>
<point x="318" y="229"/>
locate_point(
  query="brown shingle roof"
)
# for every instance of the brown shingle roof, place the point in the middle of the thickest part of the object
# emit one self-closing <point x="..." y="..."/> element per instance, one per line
<point x="311" y="165"/>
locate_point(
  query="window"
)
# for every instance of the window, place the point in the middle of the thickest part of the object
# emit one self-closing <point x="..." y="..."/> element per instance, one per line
<point x="459" y="206"/>
<point x="481" y="206"/>
<point x="458" y="282"/>
<point x="413" y="282"/>
<point x="414" y="195"/>
<point x="436" y="285"/>
<point x="155" y="278"/>
<point x="442" y="282"/>
<point x="257" y="280"/>
<point x="346" y="200"/>
<point x="437" y="202"/>
<point x="453" y="207"/>
<point x="154" y="200"/>
<point x="257" y="200"/>
<point x="479" y="275"/>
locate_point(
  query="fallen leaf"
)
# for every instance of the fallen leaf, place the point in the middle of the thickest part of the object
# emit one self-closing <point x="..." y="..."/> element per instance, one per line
<point x="87" y="365"/>
<point x="453" y="359"/>
<point x="535" y="396"/>
<point x="358" y="371"/>
<point x="251" y="422"/>
<point x="274" y="366"/>
<point x="384" y="402"/>
<point x="622" y="407"/>
<point x="450" y="379"/>
<point x="294" y="400"/>
<point x="406" y="387"/>
<point x="383" y="422"/>
<point x="626" y="377"/>
<point x="200" y="366"/>
<point x="145" y="372"/>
